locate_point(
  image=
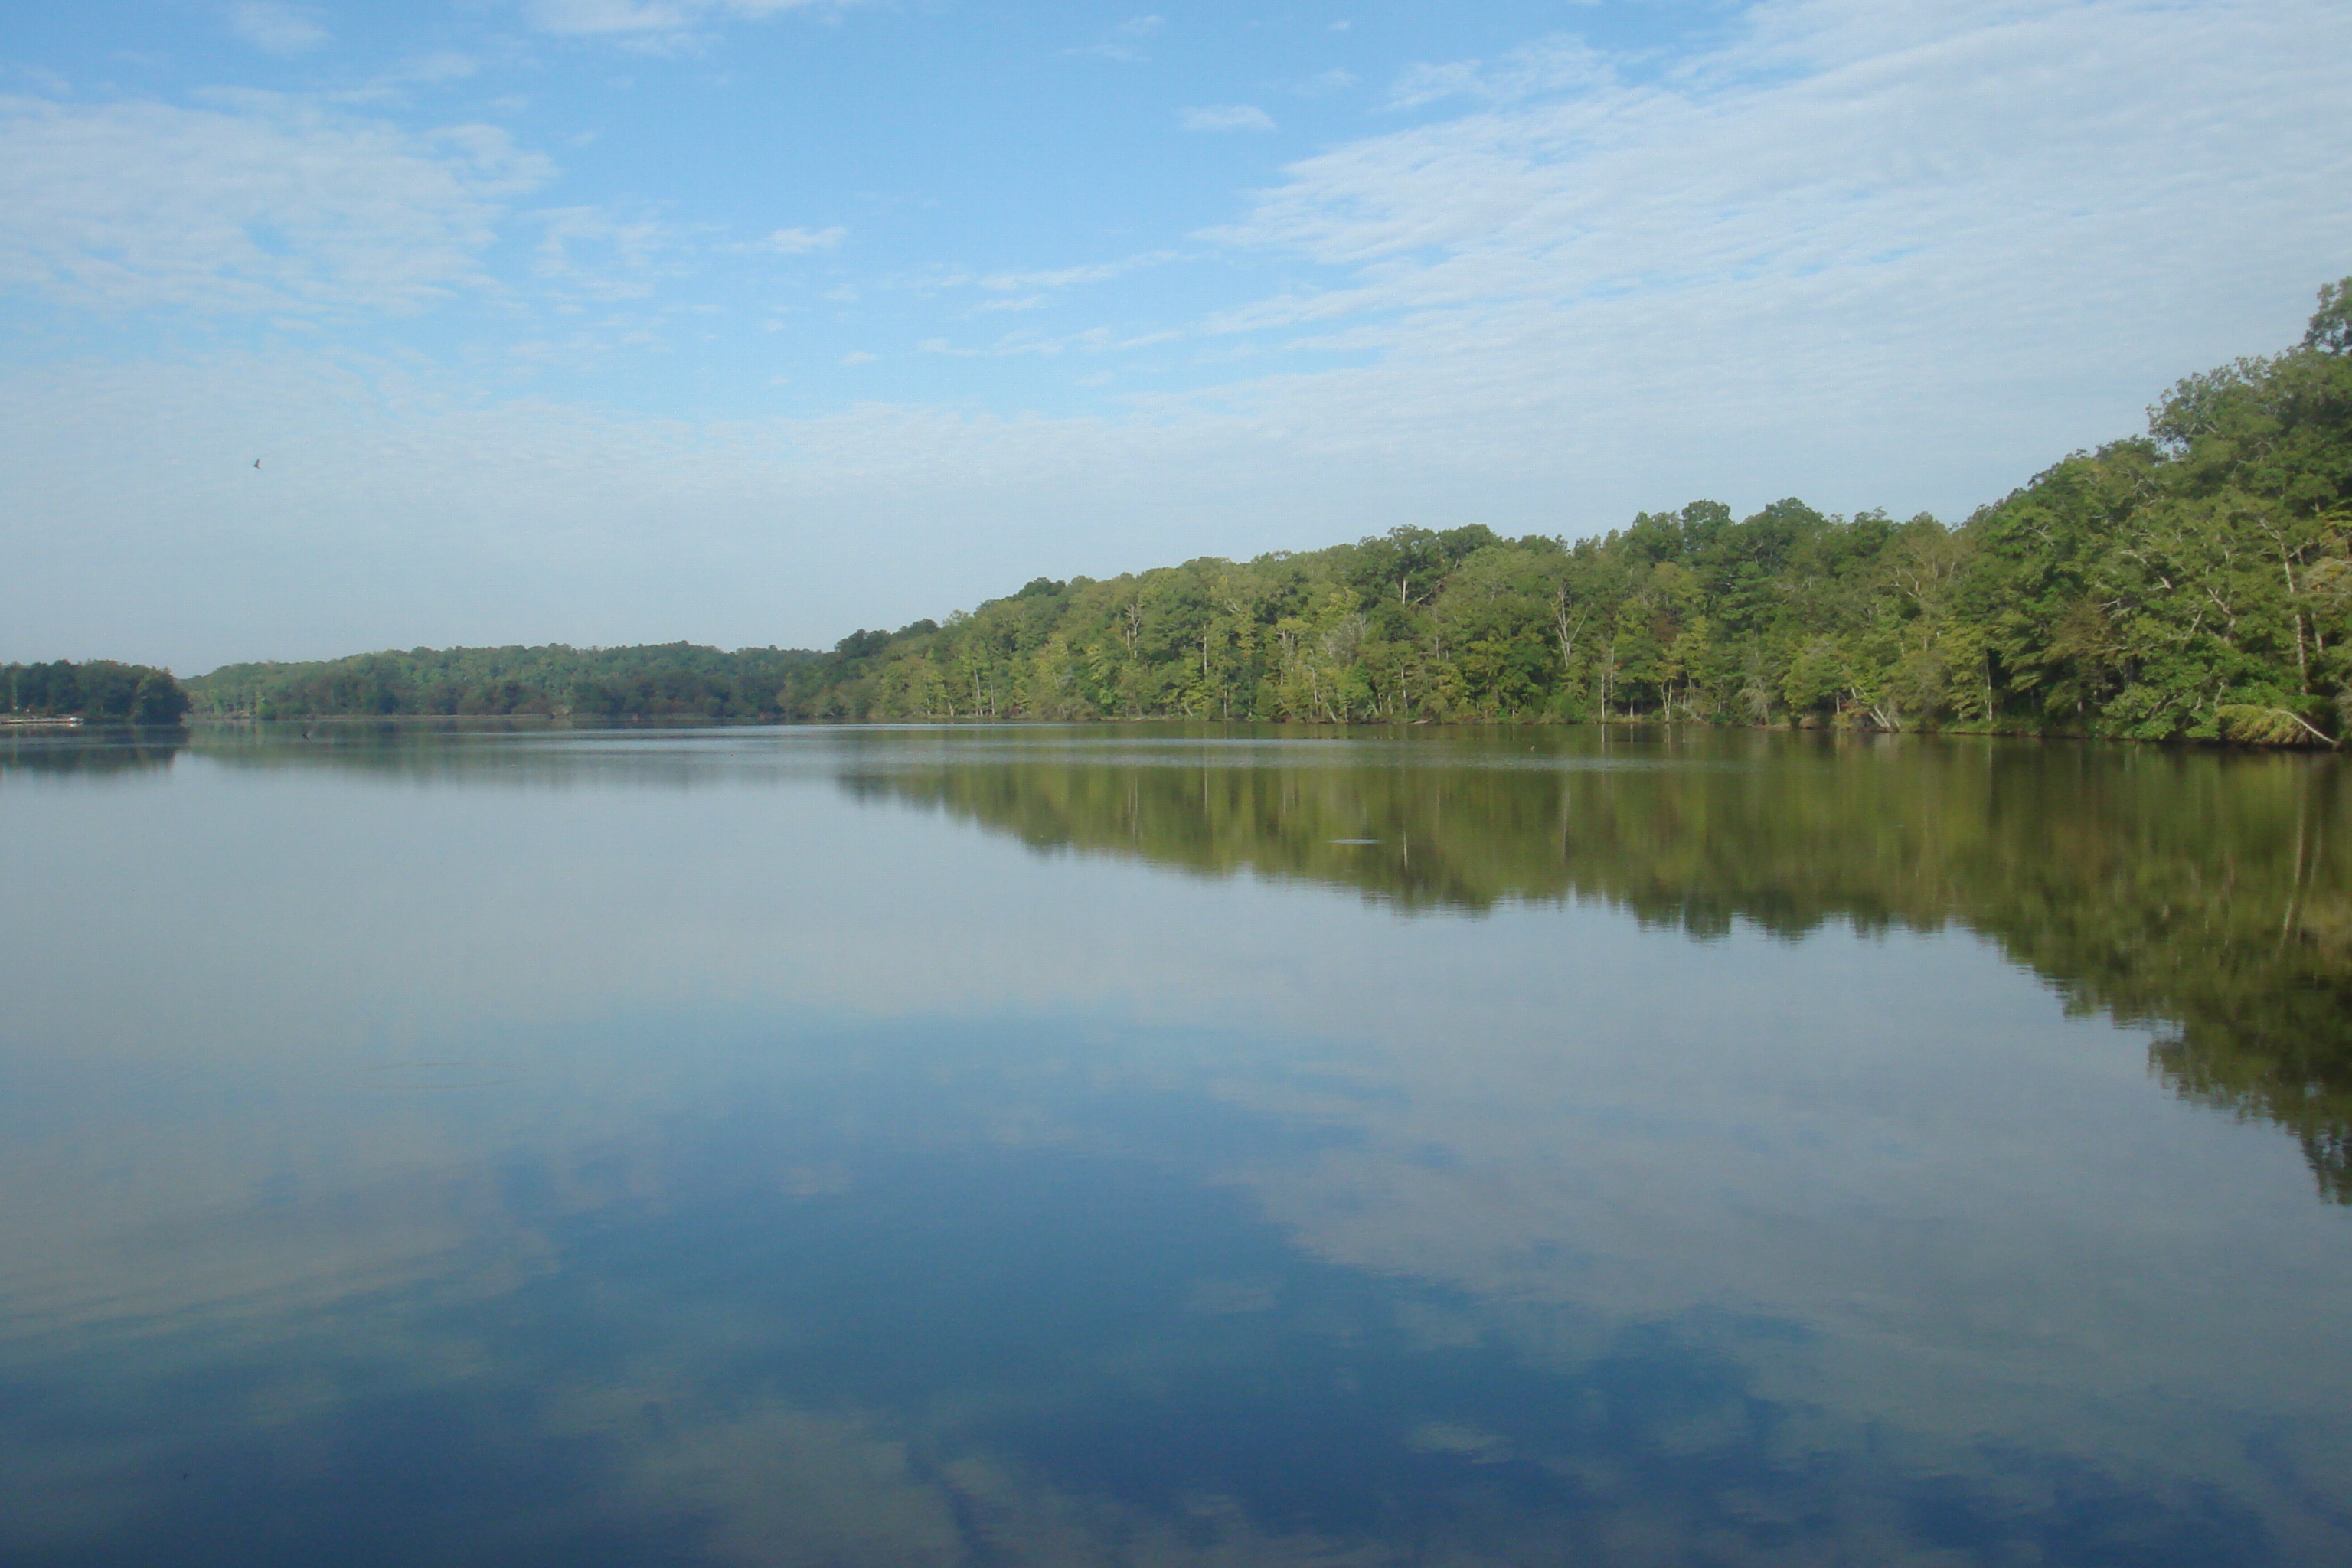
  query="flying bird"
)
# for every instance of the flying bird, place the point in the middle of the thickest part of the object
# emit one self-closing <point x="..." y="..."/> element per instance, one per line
<point x="256" y="462"/>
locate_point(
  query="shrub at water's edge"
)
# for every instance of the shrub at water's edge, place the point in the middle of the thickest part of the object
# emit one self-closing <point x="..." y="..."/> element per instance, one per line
<point x="2193" y="582"/>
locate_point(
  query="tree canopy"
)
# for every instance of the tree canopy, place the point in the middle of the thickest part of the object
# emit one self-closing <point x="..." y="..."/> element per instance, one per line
<point x="101" y="688"/>
<point x="2191" y="583"/>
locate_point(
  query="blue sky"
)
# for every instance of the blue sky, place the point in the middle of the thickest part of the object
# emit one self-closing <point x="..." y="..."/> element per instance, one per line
<point x="611" y="320"/>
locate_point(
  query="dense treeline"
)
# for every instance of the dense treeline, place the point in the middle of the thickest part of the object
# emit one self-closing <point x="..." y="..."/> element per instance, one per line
<point x="674" y="680"/>
<point x="2195" y="581"/>
<point x="99" y="688"/>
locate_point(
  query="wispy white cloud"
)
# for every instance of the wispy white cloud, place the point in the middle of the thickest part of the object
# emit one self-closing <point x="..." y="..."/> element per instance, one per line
<point x="261" y="203"/>
<point x="858" y="356"/>
<point x="1125" y="42"/>
<point x="626" y="17"/>
<point x="394" y="89"/>
<point x="1031" y="343"/>
<point x="610" y="15"/>
<point x="1225" y="117"/>
<point x="277" y="29"/>
<point x="444" y="66"/>
<point x="1323" y="84"/>
<point x="1067" y="277"/>
<point x="1867" y="251"/>
<point x="1773" y="241"/>
<point x="1093" y="340"/>
<point x="1552" y="65"/>
<point x="592" y="253"/>
<point x="799" y="241"/>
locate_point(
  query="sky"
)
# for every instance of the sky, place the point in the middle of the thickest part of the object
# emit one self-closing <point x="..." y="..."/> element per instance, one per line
<point x="754" y="322"/>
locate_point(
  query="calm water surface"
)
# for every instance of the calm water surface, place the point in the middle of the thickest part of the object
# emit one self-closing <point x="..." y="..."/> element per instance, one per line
<point x="1157" y="1146"/>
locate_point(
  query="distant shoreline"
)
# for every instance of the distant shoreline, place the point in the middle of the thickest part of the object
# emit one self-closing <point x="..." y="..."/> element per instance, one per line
<point x="1615" y="721"/>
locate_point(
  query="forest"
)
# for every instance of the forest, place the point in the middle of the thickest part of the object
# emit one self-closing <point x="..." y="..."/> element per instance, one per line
<point x="101" y="688"/>
<point x="2191" y="583"/>
<point x="670" y="680"/>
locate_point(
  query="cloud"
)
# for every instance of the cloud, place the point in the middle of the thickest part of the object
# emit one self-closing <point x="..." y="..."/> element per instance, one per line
<point x="800" y="241"/>
<point x="656" y="17"/>
<point x="1776" y="241"/>
<point x="447" y="65"/>
<point x="858" y="356"/>
<point x="1125" y="42"/>
<point x="1225" y="117"/>
<point x="276" y="29"/>
<point x="610" y="15"/>
<point x="263" y="204"/>
<point x="1093" y="340"/>
<point x="1064" y="278"/>
<point x="1552" y="65"/>
<point x="1899" y="254"/>
<point x="1325" y="83"/>
<point x="595" y="254"/>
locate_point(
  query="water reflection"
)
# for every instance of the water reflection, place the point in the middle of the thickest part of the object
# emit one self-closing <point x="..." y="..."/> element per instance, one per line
<point x="93" y="751"/>
<point x="2206" y="895"/>
<point x="673" y="1148"/>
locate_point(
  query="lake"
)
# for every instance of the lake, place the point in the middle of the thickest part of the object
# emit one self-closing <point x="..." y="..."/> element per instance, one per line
<point x="1162" y="1144"/>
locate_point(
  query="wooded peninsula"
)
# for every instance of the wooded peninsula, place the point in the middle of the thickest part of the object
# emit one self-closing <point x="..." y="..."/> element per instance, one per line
<point x="2192" y="582"/>
<point x="101" y="688"/>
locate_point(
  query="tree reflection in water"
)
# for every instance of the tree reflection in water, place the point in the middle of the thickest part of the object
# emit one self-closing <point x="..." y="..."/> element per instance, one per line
<point x="2204" y="894"/>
